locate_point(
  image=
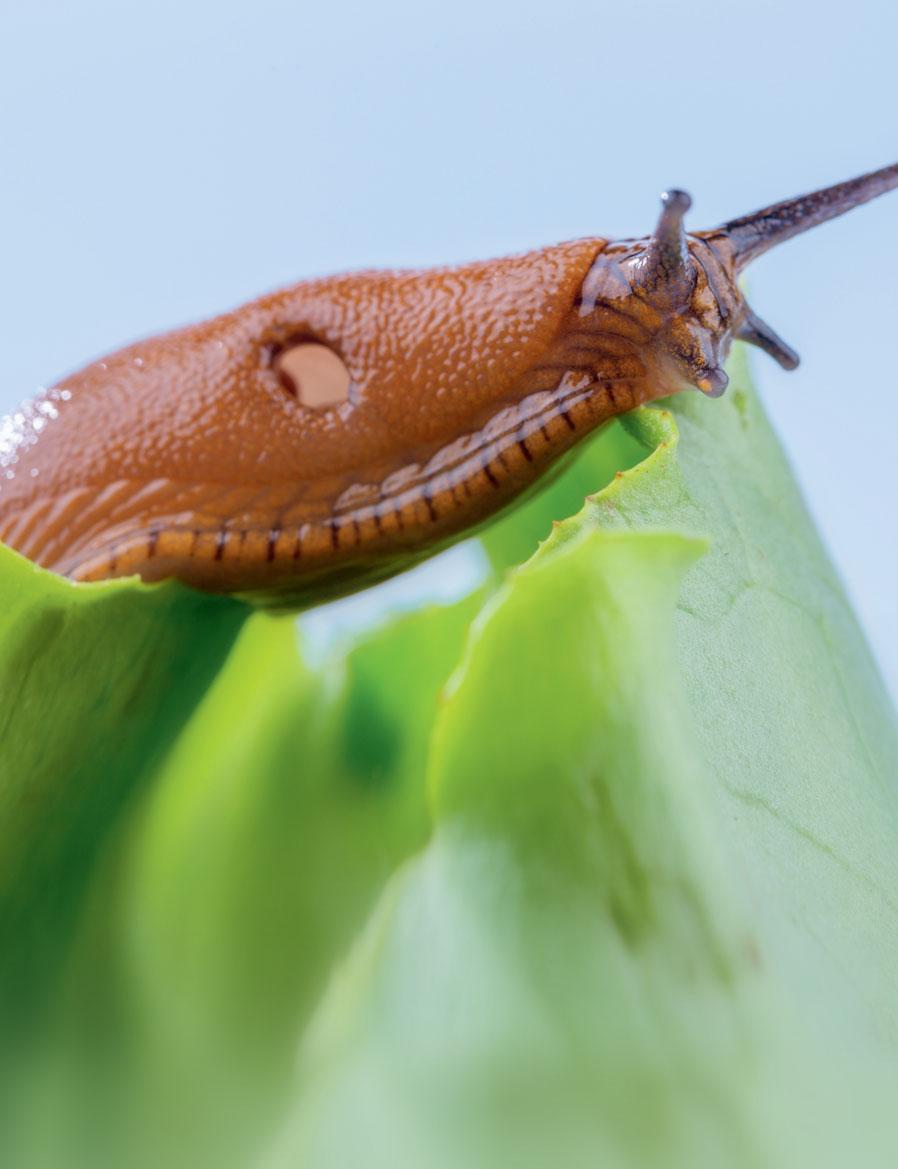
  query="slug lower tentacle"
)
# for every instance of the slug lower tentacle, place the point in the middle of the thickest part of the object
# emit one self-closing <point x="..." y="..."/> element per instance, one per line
<point x="327" y="436"/>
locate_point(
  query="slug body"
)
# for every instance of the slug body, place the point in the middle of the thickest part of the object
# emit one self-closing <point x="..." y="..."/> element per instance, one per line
<point x="328" y="436"/>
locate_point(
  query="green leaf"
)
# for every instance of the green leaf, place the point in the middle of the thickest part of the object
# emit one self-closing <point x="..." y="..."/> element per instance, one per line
<point x="790" y="713"/>
<point x="658" y="899"/>
<point x="618" y="893"/>
<point x="96" y="684"/>
<point x="276" y="823"/>
<point x="238" y="880"/>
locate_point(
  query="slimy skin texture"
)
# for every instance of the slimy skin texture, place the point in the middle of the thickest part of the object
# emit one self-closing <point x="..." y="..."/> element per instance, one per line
<point x="195" y="455"/>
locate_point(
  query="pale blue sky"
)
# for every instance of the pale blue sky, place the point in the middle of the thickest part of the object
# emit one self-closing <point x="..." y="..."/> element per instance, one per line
<point x="165" y="161"/>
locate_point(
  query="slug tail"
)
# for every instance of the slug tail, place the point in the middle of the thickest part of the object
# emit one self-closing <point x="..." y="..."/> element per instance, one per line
<point x="752" y="235"/>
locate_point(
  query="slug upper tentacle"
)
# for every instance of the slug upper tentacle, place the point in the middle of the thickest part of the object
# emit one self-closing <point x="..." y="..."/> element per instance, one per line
<point x="329" y="435"/>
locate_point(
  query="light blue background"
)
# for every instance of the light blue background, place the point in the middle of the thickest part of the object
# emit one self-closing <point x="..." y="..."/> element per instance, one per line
<point x="164" y="161"/>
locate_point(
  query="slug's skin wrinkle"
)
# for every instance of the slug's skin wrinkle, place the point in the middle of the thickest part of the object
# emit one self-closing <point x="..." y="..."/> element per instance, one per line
<point x="194" y="455"/>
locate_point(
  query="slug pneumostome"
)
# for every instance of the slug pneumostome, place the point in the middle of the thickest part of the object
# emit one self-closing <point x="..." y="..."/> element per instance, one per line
<point x="329" y="435"/>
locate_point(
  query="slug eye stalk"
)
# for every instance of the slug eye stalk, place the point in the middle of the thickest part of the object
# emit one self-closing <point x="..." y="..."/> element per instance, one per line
<point x="665" y="270"/>
<point x="752" y="235"/>
<point x="667" y="273"/>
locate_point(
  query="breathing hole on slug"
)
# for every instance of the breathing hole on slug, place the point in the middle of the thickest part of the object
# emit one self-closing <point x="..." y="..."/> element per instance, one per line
<point x="313" y="374"/>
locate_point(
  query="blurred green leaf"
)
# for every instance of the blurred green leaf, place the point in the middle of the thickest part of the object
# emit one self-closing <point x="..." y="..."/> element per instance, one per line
<point x="96" y="684"/>
<point x="267" y="842"/>
<point x="618" y="893"/>
<point x="235" y="884"/>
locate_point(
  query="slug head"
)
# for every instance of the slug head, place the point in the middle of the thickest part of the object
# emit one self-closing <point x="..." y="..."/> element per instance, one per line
<point x="684" y="291"/>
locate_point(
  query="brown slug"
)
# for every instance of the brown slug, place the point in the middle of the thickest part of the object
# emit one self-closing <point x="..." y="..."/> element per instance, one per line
<point x="327" y="436"/>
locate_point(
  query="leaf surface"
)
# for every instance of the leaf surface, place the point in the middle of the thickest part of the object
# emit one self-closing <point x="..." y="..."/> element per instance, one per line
<point x="596" y="866"/>
<point x="658" y="898"/>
